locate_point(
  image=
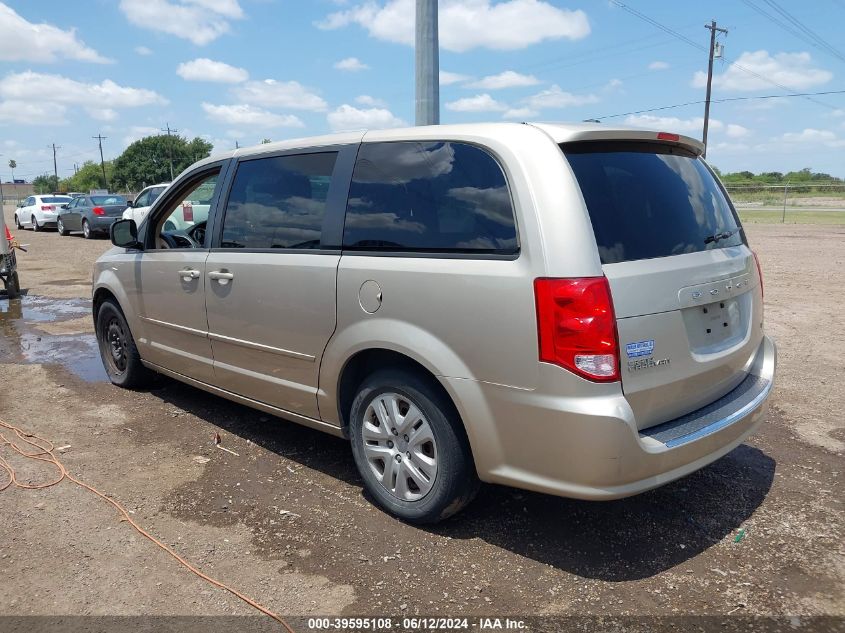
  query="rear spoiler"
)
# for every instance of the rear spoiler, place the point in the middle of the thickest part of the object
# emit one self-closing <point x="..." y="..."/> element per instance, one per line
<point x="561" y="134"/>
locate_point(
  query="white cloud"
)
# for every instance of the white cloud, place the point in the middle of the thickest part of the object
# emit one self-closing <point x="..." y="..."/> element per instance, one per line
<point x="520" y="113"/>
<point x="614" y="85"/>
<point x="143" y="50"/>
<point x="348" y="117"/>
<point x="25" y="41"/>
<point x="204" y="69"/>
<point x="658" y="65"/>
<point x="809" y="135"/>
<point x="281" y="94"/>
<point x="199" y="21"/>
<point x="506" y="79"/>
<point x="32" y="113"/>
<point x="671" y="124"/>
<point x="102" y="114"/>
<point x="554" y="97"/>
<point x="468" y="24"/>
<point x="351" y="64"/>
<point x="99" y="99"/>
<point x="137" y="132"/>
<point x="447" y="78"/>
<point x="793" y="70"/>
<point x="243" y="114"/>
<point x="478" y="103"/>
<point x="372" y="102"/>
<point x="736" y="131"/>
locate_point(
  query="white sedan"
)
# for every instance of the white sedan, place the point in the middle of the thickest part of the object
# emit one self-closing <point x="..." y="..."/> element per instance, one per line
<point x="141" y="207"/>
<point x="37" y="212"/>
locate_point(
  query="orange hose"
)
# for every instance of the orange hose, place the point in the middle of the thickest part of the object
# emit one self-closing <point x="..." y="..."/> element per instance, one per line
<point x="44" y="452"/>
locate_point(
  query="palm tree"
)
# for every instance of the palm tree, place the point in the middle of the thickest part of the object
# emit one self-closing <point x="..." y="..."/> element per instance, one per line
<point x="12" y="165"/>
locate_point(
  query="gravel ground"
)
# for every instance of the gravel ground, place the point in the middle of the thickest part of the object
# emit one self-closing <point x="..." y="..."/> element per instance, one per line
<point x="286" y="521"/>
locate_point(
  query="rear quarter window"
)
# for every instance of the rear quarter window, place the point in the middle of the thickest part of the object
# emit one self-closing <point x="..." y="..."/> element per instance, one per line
<point x="431" y="197"/>
<point x="648" y="200"/>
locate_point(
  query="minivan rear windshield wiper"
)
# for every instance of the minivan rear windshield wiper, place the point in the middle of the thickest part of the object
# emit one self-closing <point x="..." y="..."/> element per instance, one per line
<point x="717" y="237"/>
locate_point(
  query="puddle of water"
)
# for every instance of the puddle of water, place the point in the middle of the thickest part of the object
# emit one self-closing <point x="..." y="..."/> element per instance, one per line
<point x="22" y="342"/>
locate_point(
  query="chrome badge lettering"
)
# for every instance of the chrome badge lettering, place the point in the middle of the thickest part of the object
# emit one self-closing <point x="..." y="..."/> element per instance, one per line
<point x="646" y="363"/>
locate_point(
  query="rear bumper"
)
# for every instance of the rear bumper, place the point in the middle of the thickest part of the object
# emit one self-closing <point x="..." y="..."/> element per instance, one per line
<point x="102" y="222"/>
<point x="590" y="448"/>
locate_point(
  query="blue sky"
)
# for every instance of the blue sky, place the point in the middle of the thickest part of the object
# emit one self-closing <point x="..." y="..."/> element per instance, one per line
<point x="246" y="70"/>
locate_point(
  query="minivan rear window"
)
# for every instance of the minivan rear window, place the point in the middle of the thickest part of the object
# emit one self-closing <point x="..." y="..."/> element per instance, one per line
<point x="649" y="200"/>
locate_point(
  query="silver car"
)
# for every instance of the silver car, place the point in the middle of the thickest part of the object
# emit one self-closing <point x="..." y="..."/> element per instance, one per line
<point x="572" y="309"/>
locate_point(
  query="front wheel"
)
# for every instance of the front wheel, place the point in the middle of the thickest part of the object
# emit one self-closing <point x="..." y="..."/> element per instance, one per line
<point x="35" y="226"/>
<point x="60" y="227"/>
<point x="410" y="447"/>
<point x="118" y="352"/>
<point x="18" y="225"/>
<point x="86" y="230"/>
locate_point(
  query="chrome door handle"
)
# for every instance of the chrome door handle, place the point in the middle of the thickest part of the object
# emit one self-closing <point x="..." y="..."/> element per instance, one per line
<point x="189" y="273"/>
<point x="221" y="277"/>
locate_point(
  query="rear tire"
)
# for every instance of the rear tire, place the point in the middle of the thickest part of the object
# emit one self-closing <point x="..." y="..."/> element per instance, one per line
<point x="60" y="227"/>
<point x="118" y="352"/>
<point x="13" y="286"/>
<point x="35" y="226"/>
<point x="416" y="461"/>
<point x="86" y="230"/>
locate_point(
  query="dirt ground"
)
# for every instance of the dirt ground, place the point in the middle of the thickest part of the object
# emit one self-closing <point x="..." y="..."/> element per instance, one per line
<point x="286" y="522"/>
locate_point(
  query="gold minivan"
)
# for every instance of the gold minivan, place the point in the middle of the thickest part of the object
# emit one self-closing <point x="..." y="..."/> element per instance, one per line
<point x="572" y="309"/>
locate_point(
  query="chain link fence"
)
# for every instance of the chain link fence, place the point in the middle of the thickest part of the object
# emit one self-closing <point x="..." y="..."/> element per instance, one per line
<point x="790" y="200"/>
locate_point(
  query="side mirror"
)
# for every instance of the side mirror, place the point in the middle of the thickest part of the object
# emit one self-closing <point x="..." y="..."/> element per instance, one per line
<point x="130" y="203"/>
<point x="64" y="206"/>
<point x="124" y="233"/>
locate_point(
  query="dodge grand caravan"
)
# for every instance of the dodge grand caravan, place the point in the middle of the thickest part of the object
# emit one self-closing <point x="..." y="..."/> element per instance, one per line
<point x="572" y="309"/>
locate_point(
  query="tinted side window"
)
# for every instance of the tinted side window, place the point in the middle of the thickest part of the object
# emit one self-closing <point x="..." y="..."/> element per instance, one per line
<point x="143" y="200"/>
<point x="278" y="202"/>
<point x="429" y="197"/>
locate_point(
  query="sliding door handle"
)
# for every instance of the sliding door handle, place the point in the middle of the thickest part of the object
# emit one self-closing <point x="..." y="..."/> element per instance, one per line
<point x="189" y="273"/>
<point x="221" y="277"/>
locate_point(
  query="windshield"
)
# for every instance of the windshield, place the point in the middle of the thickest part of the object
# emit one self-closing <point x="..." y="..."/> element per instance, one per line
<point x="649" y="200"/>
<point x="106" y="200"/>
<point x="55" y="199"/>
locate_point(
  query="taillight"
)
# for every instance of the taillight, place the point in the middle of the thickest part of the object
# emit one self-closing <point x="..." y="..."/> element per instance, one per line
<point x="99" y="211"/>
<point x="47" y="207"/>
<point x="188" y="212"/>
<point x="759" y="271"/>
<point x="576" y="326"/>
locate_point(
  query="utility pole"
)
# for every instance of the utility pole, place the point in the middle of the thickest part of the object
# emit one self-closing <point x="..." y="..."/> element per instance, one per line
<point x="713" y="29"/>
<point x="427" y="57"/>
<point x="100" y="138"/>
<point x="169" y="148"/>
<point x="55" y="167"/>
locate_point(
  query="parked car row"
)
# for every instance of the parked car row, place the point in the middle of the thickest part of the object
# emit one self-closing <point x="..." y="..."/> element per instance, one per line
<point x="92" y="215"/>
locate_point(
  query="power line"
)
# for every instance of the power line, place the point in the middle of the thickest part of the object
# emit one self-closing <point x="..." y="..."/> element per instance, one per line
<point x="698" y="46"/>
<point x="815" y="37"/>
<point x="723" y="100"/>
<point x="806" y="36"/>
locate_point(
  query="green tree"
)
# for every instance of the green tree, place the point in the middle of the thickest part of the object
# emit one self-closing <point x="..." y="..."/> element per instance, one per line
<point x="147" y="161"/>
<point x="89" y="176"/>
<point x="12" y="165"/>
<point x="45" y="183"/>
